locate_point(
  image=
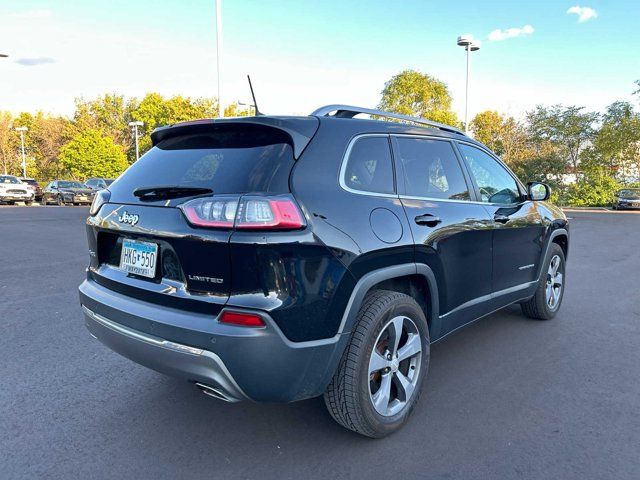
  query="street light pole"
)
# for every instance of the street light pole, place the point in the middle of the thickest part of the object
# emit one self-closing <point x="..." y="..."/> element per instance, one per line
<point x="219" y="54"/>
<point x="24" y="160"/>
<point x="134" y="126"/>
<point x="470" y="45"/>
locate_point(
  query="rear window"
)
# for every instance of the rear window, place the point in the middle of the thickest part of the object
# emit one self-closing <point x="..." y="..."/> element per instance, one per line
<point x="369" y="167"/>
<point x="227" y="160"/>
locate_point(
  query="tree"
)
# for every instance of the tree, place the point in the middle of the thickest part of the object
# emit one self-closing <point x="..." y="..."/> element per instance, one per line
<point x="156" y="111"/>
<point x="92" y="154"/>
<point x="234" y="110"/>
<point x="596" y="188"/>
<point x="9" y="142"/>
<point x="504" y="135"/>
<point x="568" y="129"/>
<point x="110" y="113"/>
<point x="47" y="137"/>
<point x="418" y="94"/>
<point x="617" y="143"/>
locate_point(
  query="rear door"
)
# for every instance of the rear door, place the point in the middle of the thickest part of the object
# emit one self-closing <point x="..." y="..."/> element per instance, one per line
<point x="518" y="230"/>
<point x="452" y="233"/>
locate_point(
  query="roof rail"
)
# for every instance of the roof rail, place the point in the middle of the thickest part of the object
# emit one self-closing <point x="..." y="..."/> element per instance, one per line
<point x="349" y="111"/>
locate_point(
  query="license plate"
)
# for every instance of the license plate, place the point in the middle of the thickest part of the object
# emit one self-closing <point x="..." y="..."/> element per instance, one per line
<point x="139" y="258"/>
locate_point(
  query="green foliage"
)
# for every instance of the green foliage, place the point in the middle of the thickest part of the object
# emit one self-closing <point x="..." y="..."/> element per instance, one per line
<point x="617" y="143"/>
<point x="156" y="111"/>
<point x="92" y="154"/>
<point x="504" y="135"/>
<point x="567" y="129"/>
<point x="596" y="188"/>
<point x="418" y="94"/>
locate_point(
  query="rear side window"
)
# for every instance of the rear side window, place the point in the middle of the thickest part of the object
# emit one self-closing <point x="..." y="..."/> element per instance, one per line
<point x="230" y="159"/>
<point x="431" y="169"/>
<point x="369" y="167"/>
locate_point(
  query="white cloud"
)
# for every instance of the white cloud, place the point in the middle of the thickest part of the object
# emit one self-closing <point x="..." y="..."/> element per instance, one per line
<point x="583" y="13"/>
<point x="498" y="35"/>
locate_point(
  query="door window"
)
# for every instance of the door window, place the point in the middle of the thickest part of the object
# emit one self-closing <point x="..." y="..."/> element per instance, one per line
<point x="369" y="167"/>
<point x="495" y="183"/>
<point x="431" y="169"/>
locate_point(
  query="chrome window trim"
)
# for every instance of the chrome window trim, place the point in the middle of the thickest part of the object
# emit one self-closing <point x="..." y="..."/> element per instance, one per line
<point x="484" y="149"/>
<point x="451" y="141"/>
<point x="432" y="199"/>
<point x="453" y="148"/>
<point x="345" y="160"/>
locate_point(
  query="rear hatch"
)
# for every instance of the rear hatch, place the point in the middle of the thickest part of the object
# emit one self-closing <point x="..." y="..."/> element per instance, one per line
<point x="205" y="164"/>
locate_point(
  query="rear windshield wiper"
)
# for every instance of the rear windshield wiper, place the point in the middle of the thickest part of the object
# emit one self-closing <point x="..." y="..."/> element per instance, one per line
<point x="169" y="191"/>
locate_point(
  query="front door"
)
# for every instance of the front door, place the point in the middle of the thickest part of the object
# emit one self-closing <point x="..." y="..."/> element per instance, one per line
<point x="518" y="233"/>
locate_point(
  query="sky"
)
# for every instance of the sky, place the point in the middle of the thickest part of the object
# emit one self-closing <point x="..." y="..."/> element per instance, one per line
<point x="304" y="54"/>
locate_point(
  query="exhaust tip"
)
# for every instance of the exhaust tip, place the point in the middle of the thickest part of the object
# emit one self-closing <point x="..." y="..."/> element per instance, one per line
<point x="213" y="392"/>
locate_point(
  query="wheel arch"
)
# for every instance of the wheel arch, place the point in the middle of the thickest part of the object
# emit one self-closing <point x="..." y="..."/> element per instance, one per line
<point x="559" y="236"/>
<point x="415" y="280"/>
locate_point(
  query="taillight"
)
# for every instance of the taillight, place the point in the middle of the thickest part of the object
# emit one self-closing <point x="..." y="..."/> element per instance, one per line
<point x="242" y="319"/>
<point x="99" y="199"/>
<point x="246" y="212"/>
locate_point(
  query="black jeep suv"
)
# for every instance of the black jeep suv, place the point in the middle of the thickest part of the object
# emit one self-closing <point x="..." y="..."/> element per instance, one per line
<point x="280" y="258"/>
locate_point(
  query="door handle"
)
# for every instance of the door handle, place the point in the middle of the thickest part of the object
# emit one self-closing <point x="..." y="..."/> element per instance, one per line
<point x="501" y="218"/>
<point x="428" y="220"/>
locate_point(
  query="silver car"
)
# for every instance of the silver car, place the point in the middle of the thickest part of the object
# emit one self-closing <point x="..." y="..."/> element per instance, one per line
<point x="13" y="190"/>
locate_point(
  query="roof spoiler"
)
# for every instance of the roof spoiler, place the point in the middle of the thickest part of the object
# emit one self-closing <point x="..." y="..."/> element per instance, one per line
<point x="300" y="129"/>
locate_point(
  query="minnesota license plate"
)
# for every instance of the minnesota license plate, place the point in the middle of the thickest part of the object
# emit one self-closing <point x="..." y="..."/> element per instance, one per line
<point x="139" y="258"/>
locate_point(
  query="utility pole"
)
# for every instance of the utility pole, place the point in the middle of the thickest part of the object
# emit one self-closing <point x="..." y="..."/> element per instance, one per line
<point x="24" y="159"/>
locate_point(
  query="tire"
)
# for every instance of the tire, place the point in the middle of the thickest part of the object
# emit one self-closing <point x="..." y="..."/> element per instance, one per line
<point x="351" y="394"/>
<point x="11" y="202"/>
<point x="540" y="306"/>
<point x="60" y="201"/>
<point x="28" y="204"/>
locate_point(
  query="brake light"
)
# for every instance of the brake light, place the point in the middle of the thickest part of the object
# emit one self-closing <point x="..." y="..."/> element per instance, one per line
<point x="99" y="199"/>
<point x="242" y="319"/>
<point x="247" y="212"/>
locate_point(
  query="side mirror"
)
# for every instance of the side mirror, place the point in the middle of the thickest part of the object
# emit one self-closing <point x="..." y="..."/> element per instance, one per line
<point x="538" y="192"/>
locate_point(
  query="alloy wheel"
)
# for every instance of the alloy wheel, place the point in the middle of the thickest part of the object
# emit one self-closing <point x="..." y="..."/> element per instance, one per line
<point x="555" y="278"/>
<point x="394" y="366"/>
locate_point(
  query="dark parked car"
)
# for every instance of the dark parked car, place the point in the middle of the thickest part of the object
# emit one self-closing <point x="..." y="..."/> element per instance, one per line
<point x="65" y="192"/>
<point x="36" y="186"/>
<point x="627" y="198"/>
<point x="98" y="183"/>
<point x="281" y="258"/>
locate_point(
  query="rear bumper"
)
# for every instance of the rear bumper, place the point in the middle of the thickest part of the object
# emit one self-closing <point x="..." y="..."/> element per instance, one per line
<point x="259" y="364"/>
<point x="164" y="356"/>
<point x="628" y="205"/>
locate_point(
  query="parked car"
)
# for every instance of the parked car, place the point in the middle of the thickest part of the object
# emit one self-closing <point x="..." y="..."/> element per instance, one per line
<point x="36" y="187"/>
<point x="98" y="183"/>
<point x="627" y="198"/>
<point x="63" y="192"/>
<point x="12" y="190"/>
<point x="281" y="258"/>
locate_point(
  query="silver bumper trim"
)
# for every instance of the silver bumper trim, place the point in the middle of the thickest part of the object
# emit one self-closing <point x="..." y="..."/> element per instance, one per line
<point x="175" y="359"/>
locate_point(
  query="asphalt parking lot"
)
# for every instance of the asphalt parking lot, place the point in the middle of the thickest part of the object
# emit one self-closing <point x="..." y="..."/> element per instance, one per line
<point x="505" y="398"/>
